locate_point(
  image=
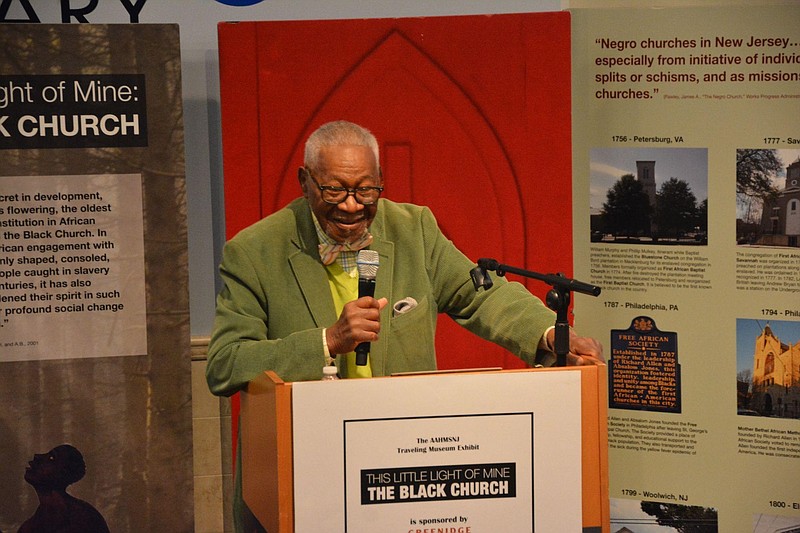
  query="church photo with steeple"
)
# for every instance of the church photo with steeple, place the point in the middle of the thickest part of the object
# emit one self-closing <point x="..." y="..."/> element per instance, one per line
<point x="780" y="218"/>
<point x="768" y="368"/>
<point x="768" y="197"/>
<point x="649" y="196"/>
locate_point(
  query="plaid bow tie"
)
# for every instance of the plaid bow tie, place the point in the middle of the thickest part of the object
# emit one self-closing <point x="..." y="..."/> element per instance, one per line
<point x="329" y="252"/>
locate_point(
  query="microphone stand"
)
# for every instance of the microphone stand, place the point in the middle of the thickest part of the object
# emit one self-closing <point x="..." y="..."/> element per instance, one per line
<point x="558" y="298"/>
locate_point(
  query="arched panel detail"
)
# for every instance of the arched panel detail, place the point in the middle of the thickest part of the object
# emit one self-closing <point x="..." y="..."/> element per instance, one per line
<point x="457" y="165"/>
<point x="451" y="160"/>
<point x="473" y="113"/>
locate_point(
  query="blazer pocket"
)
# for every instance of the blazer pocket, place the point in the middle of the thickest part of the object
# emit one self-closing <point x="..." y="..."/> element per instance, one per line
<point x="411" y="316"/>
<point x="411" y="340"/>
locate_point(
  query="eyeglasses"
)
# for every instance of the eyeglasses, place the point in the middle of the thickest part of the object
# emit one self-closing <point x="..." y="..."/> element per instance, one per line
<point x="336" y="195"/>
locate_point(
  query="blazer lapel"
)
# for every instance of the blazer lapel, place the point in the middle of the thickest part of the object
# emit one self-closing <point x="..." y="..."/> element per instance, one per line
<point x="310" y="276"/>
<point x="308" y="270"/>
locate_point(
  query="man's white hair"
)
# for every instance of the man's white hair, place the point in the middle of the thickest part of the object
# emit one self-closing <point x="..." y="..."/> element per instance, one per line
<point x="337" y="133"/>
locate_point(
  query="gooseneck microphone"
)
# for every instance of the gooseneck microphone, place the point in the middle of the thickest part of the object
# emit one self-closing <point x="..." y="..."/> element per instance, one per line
<point x="367" y="263"/>
<point x="480" y="275"/>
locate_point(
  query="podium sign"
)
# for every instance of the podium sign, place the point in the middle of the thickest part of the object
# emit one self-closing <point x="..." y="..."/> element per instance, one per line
<point x="513" y="450"/>
<point x="420" y="471"/>
<point x="497" y="451"/>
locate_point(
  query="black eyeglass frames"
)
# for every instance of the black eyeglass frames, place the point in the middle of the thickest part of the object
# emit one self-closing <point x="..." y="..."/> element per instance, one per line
<point x="337" y="195"/>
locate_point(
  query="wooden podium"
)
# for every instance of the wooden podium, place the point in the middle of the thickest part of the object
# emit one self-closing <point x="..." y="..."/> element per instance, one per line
<point x="268" y="426"/>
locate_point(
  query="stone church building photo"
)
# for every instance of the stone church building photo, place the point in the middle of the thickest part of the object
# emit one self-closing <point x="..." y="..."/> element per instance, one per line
<point x="776" y="376"/>
<point x="780" y="218"/>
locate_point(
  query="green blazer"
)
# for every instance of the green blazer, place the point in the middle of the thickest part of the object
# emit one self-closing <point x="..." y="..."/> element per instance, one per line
<point x="276" y="299"/>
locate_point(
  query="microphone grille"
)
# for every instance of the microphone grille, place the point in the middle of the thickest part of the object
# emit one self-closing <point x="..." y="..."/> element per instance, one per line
<point x="367" y="262"/>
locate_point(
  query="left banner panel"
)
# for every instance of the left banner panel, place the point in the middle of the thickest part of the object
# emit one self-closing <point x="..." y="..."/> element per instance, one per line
<point x="94" y="320"/>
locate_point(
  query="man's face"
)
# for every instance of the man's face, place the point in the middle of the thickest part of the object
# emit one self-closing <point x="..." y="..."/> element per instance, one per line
<point x="47" y="470"/>
<point x="347" y="166"/>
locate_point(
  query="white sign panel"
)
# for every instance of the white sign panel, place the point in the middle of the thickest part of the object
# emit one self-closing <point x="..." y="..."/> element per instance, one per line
<point x="71" y="267"/>
<point x="468" y="467"/>
<point x="461" y="453"/>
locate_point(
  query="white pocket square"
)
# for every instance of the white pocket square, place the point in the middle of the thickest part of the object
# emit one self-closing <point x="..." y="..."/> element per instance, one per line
<point x="403" y="306"/>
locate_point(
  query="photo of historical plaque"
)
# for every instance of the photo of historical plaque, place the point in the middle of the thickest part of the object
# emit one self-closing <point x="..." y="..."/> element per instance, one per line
<point x="649" y="195"/>
<point x="643" y="369"/>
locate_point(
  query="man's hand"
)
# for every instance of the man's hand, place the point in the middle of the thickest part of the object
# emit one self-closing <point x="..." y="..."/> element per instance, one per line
<point x="359" y="322"/>
<point x="582" y="350"/>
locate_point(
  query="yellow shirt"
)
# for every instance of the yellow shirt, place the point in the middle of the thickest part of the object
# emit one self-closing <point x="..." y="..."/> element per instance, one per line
<point x="344" y="288"/>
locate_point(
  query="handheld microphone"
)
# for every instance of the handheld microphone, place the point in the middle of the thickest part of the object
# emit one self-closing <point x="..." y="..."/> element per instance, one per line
<point x="367" y="264"/>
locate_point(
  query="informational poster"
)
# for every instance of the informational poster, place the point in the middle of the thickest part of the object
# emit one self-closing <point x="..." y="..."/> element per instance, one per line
<point x="94" y="317"/>
<point x="686" y="151"/>
<point x="428" y="453"/>
<point x="72" y="252"/>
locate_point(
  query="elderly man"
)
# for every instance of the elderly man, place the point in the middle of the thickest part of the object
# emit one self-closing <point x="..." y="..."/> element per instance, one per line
<point x="290" y="302"/>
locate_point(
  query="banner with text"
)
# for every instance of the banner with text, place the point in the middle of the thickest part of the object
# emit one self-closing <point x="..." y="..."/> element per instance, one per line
<point x="686" y="210"/>
<point x="94" y="314"/>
